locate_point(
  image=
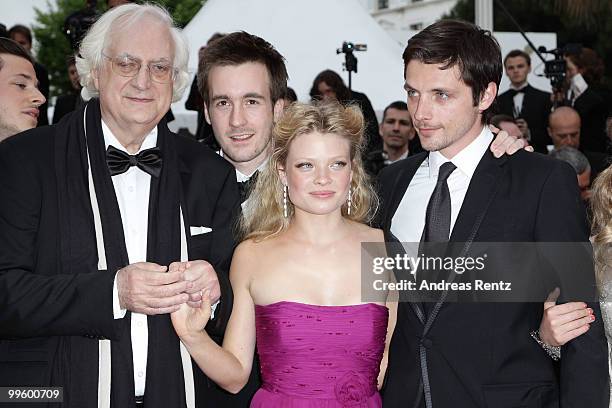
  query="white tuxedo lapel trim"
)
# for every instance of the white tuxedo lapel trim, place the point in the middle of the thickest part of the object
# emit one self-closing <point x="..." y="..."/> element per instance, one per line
<point x="104" y="346"/>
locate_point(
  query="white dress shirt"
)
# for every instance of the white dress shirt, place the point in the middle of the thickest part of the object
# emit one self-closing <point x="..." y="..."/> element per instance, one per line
<point x="241" y="177"/>
<point x="577" y="87"/>
<point x="132" y="191"/>
<point x="409" y="219"/>
<point x="518" y="99"/>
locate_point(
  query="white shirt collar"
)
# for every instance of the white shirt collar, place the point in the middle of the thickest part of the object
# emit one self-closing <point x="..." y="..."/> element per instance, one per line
<point x="110" y="139"/>
<point x="467" y="159"/>
<point x="240" y="176"/>
<point x="403" y="156"/>
<point x="518" y="88"/>
<point x="578" y="86"/>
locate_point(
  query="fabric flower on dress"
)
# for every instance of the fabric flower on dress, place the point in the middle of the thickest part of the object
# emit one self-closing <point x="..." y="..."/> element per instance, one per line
<point x="353" y="390"/>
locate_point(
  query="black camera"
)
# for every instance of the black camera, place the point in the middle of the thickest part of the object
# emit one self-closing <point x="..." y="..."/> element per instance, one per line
<point x="77" y="23"/>
<point x="350" y="61"/>
<point x="554" y="69"/>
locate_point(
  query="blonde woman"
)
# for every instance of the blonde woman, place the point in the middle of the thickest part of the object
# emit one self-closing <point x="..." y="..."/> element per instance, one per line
<point x="562" y="323"/>
<point x="296" y="275"/>
<point x="601" y="202"/>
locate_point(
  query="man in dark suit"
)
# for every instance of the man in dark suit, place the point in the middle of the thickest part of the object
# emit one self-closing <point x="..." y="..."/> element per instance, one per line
<point x="243" y="80"/>
<point x="528" y="105"/>
<point x="95" y="213"/>
<point x="72" y="100"/>
<point x="478" y="354"/>
<point x="19" y="94"/>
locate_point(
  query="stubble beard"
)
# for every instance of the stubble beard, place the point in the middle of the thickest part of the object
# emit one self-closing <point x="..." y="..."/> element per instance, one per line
<point x="7" y="130"/>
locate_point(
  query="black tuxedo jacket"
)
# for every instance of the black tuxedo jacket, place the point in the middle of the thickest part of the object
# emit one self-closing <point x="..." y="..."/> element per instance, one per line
<point x="535" y="110"/>
<point x="593" y="112"/>
<point x="64" y="105"/>
<point x="481" y="354"/>
<point x="42" y="307"/>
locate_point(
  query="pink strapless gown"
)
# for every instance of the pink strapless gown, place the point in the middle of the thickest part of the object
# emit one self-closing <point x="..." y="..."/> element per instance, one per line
<point x="319" y="356"/>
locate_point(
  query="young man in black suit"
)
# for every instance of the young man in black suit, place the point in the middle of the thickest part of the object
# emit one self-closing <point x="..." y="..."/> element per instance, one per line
<point x="20" y="98"/>
<point x="243" y="80"/>
<point x="528" y="105"/>
<point x="70" y="101"/>
<point x="478" y="354"/>
<point x="95" y="211"/>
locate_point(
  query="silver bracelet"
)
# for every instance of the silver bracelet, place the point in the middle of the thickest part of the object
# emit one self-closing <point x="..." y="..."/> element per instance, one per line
<point x="553" y="352"/>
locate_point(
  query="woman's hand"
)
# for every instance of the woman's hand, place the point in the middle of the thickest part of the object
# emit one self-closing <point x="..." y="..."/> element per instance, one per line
<point x="506" y="144"/>
<point x="562" y="323"/>
<point x="189" y="322"/>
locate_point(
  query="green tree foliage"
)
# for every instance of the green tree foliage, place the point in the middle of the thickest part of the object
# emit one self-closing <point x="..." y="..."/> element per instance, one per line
<point x="54" y="48"/>
<point x="586" y="22"/>
<point x="182" y="10"/>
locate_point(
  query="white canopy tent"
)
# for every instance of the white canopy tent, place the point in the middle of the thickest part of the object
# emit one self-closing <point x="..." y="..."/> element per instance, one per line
<point x="307" y="34"/>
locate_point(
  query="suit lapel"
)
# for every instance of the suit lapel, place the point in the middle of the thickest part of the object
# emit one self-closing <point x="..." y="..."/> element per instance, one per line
<point x="483" y="186"/>
<point x="478" y="198"/>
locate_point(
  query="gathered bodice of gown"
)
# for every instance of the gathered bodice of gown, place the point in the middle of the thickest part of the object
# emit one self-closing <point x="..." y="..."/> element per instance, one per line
<point x="319" y="356"/>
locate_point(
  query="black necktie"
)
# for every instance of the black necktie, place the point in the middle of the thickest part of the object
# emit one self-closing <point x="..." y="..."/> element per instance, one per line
<point x="149" y="161"/>
<point x="438" y="217"/>
<point x="245" y="186"/>
<point x="437" y="226"/>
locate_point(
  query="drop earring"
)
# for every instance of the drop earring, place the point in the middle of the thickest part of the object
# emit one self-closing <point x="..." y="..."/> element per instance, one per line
<point x="349" y="201"/>
<point x="285" y="200"/>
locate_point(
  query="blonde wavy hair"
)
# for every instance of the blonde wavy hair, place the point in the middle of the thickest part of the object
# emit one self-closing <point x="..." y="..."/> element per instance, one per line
<point x="263" y="215"/>
<point x="601" y="204"/>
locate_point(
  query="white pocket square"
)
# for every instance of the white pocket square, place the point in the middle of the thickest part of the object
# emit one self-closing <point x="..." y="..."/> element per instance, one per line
<point x="199" y="230"/>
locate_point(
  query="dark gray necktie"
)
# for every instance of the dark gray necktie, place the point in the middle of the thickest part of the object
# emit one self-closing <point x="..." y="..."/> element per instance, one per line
<point x="438" y="216"/>
<point x="437" y="229"/>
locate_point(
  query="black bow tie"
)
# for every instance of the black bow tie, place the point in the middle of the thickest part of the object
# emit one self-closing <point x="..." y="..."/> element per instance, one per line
<point x="149" y="161"/>
<point x="246" y="186"/>
<point x="517" y="91"/>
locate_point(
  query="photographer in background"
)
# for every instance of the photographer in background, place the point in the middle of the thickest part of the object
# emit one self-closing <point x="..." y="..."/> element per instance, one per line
<point x="584" y="70"/>
<point x="529" y="106"/>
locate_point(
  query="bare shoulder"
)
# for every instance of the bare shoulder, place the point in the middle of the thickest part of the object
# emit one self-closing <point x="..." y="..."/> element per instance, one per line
<point x="366" y="233"/>
<point x="247" y="251"/>
<point x="251" y="254"/>
<point x="244" y="261"/>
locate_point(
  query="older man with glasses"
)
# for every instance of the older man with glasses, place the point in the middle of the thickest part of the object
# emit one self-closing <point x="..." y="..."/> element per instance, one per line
<point x="108" y="223"/>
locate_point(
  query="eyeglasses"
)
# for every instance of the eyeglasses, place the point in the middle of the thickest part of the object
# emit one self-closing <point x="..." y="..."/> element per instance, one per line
<point x="129" y="67"/>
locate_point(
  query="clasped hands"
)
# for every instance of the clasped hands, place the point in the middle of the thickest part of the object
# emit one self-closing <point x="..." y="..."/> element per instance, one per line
<point x="149" y="288"/>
